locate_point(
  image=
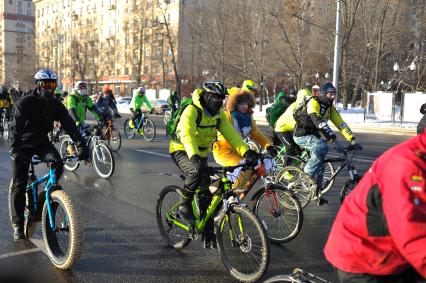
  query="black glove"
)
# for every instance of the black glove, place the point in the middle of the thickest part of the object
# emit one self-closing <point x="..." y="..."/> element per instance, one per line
<point x="272" y="151"/>
<point x="339" y="147"/>
<point x="197" y="162"/>
<point x="355" y="145"/>
<point x="117" y="116"/>
<point x="251" y="157"/>
<point x="83" y="150"/>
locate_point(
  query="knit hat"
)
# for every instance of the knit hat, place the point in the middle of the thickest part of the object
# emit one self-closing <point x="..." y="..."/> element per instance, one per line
<point x="328" y="87"/>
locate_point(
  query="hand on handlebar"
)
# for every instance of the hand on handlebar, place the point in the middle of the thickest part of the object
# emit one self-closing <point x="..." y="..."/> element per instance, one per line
<point x="251" y="157"/>
<point x="355" y="145"/>
<point x="339" y="147"/>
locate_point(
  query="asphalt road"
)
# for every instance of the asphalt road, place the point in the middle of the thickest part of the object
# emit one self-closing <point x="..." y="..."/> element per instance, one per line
<point x="122" y="242"/>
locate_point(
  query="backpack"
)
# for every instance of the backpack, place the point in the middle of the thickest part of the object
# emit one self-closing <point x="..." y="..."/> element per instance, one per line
<point x="273" y="113"/>
<point x="302" y="106"/>
<point x="172" y="124"/>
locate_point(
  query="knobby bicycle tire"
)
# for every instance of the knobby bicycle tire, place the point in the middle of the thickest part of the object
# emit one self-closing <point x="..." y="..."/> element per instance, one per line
<point x="282" y="228"/>
<point x="60" y="257"/>
<point x="164" y="206"/>
<point x="239" y="268"/>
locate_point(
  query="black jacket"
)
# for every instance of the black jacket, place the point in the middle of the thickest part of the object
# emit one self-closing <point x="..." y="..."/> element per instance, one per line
<point x="33" y="119"/>
<point x="422" y="123"/>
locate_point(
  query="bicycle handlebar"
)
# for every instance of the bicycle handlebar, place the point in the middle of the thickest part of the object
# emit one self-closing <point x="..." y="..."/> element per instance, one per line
<point x="37" y="160"/>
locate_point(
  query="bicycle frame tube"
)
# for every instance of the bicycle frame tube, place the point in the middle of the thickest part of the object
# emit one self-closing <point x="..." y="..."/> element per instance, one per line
<point x="141" y="119"/>
<point x="199" y="225"/>
<point x="51" y="181"/>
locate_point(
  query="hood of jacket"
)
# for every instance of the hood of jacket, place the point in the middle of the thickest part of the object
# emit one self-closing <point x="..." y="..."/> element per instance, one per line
<point x="280" y="95"/>
<point x="233" y="98"/>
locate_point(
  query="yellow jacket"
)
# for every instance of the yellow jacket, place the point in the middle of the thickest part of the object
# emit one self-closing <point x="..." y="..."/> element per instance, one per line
<point x="198" y="139"/>
<point x="223" y="152"/>
<point x="286" y="121"/>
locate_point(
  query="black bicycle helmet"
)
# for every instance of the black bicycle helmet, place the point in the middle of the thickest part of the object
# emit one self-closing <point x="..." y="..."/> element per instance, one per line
<point x="215" y="87"/>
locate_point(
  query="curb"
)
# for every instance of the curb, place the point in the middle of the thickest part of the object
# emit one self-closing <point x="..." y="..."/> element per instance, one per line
<point x="360" y="128"/>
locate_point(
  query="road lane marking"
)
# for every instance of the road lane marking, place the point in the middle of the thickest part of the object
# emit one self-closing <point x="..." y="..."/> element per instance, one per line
<point x="154" y="153"/>
<point x="3" y="256"/>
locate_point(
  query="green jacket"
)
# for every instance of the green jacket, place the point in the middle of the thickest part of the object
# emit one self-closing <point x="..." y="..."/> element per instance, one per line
<point x="81" y="103"/>
<point x="198" y="139"/>
<point x="138" y="101"/>
<point x="277" y="109"/>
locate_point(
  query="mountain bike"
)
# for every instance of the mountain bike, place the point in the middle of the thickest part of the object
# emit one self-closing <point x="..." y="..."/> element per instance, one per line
<point x="241" y="239"/>
<point x="100" y="154"/>
<point x="112" y="135"/>
<point x="300" y="161"/>
<point x="143" y="126"/>
<point x="294" y="178"/>
<point x="298" y="276"/>
<point x="61" y="224"/>
<point x="4" y="124"/>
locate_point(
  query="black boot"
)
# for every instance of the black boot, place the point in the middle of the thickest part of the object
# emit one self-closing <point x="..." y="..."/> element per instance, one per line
<point x="18" y="232"/>
<point x="209" y="240"/>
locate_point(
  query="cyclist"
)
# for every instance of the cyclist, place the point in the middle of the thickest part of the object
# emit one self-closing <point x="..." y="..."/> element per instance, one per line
<point x="379" y="233"/>
<point x="281" y="104"/>
<point x="138" y="100"/>
<point x="239" y="112"/>
<point x="104" y="102"/>
<point x="284" y="125"/>
<point x="313" y="120"/>
<point x="78" y="102"/>
<point x="196" y="138"/>
<point x="6" y="101"/>
<point x="316" y="90"/>
<point x="29" y="130"/>
<point x="173" y="101"/>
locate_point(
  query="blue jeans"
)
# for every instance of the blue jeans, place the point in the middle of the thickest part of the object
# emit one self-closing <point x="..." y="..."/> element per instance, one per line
<point x="318" y="150"/>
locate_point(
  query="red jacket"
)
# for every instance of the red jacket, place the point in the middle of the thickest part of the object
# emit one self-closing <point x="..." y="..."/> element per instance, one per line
<point x="381" y="227"/>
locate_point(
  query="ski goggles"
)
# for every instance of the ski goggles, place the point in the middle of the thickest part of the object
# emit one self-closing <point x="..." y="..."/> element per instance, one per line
<point x="49" y="85"/>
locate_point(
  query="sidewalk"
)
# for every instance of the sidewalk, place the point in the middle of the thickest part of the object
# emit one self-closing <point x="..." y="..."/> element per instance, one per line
<point x="357" y="124"/>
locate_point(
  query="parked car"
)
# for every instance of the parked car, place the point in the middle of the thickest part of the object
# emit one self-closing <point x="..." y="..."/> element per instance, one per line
<point x="123" y="104"/>
<point x="160" y="106"/>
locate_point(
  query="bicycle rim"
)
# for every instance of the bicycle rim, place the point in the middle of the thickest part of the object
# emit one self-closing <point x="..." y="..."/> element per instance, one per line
<point x="103" y="160"/>
<point x="70" y="165"/>
<point x="130" y="132"/>
<point x="291" y="177"/>
<point x="64" y="245"/>
<point x="167" y="203"/>
<point x="114" y="140"/>
<point x="328" y="172"/>
<point x="280" y="213"/>
<point x="149" y="130"/>
<point x="242" y="244"/>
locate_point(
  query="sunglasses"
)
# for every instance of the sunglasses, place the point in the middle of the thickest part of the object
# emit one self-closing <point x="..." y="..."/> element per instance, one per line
<point x="49" y="85"/>
<point x="82" y="86"/>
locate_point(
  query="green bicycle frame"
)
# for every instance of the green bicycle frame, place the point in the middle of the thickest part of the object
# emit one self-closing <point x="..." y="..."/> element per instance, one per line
<point x="200" y="223"/>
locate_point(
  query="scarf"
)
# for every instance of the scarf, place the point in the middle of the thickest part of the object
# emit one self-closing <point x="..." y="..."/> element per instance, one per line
<point x="243" y="120"/>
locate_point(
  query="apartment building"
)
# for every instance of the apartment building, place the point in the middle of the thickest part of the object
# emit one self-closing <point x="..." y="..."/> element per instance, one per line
<point x="122" y="43"/>
<point x="17" y="60"/>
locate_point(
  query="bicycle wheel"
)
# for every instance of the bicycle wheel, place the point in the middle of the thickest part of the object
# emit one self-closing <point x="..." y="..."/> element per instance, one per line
<point x="291" y="177"/>
<point x="103" y="160"/>
<point x="70" y="165"/>
<point x="128" y="131"/>
<point x="242" y="244"/>
<point x="148" y="130"/>
<point x="280" y="213"/>
<point x="64" y="244"/>
<point x="328" y="172"/>
<point x="114" y="139"/>
<point x="348" y="187"/>
<point x="167" y="204"/>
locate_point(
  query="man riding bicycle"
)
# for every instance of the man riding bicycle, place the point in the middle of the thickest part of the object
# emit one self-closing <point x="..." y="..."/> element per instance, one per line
<point x="78" y="102"/>
<point x="6" y="102"/>
<point x="104" y="102"/>
<point x="311" y="121"/>
<point x="32" y="120"/>
<point x="379" y="233"/>
<point x="197" y="130"/>
<point x="138" y="100"/>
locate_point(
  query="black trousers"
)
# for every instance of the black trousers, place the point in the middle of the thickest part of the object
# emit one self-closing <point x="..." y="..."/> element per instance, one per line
<point x="193" y="179"/>
<point x="408" y="276"/>
<point x="20" y="165"/>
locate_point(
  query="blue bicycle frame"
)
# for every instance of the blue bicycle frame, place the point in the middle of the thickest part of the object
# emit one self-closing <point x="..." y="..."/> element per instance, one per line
<point x="51" y="181"/>
<point x="140" y="121"/>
